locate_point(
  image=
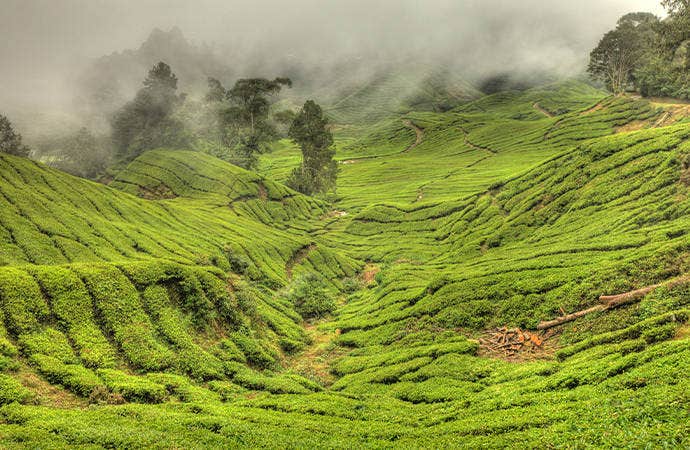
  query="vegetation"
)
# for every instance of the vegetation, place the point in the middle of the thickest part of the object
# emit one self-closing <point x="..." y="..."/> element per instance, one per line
<point x="191" y="302"/>
<point x="647" y="54"/>
<point x="82" y="154"/>
<point x="318" y="171"/>
<point x="146" y="122"/>
<point x="10" y="140"/>
<point x="245" y="123"/>
<point x="620" y="51"/>
<point x="310" y="297"/>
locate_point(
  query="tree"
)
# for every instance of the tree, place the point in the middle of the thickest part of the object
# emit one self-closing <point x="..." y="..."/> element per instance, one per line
<point x="145" y="122"/>
<point x="675" y="29"/>
<point x="216" y="92"/>
<point x="318" y="171"/>
<point x="246" y="119"/>
<point x="81" y="154"/>
<point x="676" y="7"/>
<point x="11" y="141"/>
<point x="621" y="51"/>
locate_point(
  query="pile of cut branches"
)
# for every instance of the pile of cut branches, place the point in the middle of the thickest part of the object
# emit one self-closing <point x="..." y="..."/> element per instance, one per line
<point x="508" y="342"/>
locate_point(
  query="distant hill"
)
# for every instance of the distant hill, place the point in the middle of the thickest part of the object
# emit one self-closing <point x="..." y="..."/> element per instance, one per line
<point x="400" y="89"/>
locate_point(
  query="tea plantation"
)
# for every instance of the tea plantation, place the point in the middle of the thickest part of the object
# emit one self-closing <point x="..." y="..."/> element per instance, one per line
<point x="159" y="311"/>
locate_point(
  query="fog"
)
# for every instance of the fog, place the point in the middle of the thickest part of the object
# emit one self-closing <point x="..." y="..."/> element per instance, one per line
<point x="46" y="43"/>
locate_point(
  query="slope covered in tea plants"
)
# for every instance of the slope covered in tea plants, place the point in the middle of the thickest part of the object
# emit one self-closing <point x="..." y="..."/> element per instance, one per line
<point x="153" y="313"/>
<point x="100" y="288"/>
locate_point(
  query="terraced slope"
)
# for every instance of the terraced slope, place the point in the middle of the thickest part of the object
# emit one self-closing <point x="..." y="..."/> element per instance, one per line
<point x="468" y="150"/>
<point x="420" y="88"/>
<point x="530" y="218"/>
<point x="111" y="296"/>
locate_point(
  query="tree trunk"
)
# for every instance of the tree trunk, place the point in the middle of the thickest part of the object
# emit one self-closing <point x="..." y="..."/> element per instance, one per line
<point x="569" y="317"/>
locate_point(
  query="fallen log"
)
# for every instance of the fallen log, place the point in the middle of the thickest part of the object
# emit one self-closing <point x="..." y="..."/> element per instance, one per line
<point x="569" y="317"/>
<point x="613" y="301"/>
<point x="628" y="297"/>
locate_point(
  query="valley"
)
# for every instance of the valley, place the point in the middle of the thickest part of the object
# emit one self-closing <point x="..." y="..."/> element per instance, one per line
<point x="155" y="311"/>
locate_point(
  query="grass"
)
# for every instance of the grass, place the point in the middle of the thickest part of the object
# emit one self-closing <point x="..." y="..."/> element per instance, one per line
<point x="151" y="313"/>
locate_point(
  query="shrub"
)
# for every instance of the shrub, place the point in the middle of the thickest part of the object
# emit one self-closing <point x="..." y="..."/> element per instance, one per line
<point x="351" y="285"/>
<point x="74" y="377"/>
<point x="12" y="390"/>
<point x="310" y="297"/>
<point x="254" y="352"/>
<point x="239" y="264"/>
<point x="133" y="388"/>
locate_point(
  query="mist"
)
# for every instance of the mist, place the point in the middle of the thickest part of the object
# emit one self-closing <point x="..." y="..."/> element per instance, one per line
<point x="46" y="44"/>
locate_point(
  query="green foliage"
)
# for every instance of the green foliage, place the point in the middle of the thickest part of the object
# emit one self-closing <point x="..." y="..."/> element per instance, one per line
<point x="10" y="140"/>
<point x="310" y="297"/>
<point x="133" y="388"/>
<point x="318" y="171"/>
<point x="253" y="351"/>
<point x="76" y="378"/>
<point x="81" y="154"/>
<point x="244" y="120"/>
<point x="12" y="391"/>
<point x="175" y="313"/>
<point x="621" y="51"/>
<point x="650" y="54"/>
<point x="146" y="122"/>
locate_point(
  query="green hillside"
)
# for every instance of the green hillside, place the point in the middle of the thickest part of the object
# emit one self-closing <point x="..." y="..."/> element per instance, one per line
<point x="156" y="312"/>
<point x="419" y="87"/>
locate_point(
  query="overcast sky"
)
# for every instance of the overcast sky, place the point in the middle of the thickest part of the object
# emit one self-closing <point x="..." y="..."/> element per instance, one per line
<point x="41" y="38"/>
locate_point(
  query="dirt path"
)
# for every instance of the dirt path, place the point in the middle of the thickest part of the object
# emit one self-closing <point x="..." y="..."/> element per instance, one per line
<point x="418" y="131"/>
<point x="542" y="110"/>
<point x="314" y="361"/>
<point x="599" y="106"/>
<point x="475" y="146"/>
<point x="297" y="258"/>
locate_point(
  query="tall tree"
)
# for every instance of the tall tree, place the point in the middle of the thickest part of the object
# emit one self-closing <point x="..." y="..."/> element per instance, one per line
<point x="620" y="52"/>
<point x="145" y="122"/>
<point x="247" y="117"/>
<point x="81" y="154"/>
<point x="676" y="27"/>
<point x="676" y="7"/>
<point x="318" y="171"/>
<point x="10" y="140"/>
<point x="216" y="92"/>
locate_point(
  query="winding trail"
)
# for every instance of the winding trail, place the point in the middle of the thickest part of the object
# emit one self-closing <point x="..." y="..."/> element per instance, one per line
<point x="475" y="146"/>
<point x="419" y="131"/>
<point x="538" y="107"/>
<point x="316" y="359"/>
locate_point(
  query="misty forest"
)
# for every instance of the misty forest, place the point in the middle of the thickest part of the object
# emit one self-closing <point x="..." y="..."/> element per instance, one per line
<point x="345" y="224"/>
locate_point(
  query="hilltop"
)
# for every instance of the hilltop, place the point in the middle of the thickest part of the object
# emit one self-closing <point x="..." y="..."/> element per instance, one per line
<point x="155" y="312"/>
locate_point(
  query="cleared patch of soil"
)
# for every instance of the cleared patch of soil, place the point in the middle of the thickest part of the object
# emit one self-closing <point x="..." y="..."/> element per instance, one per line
<point x="514" y="344"/>
<point x="593" y="109"/>
<point x="263" y="193"/>
<point x="635" y="125"/>
<point x="542" y="110"/>
<point x="46" y="393"/>
<point x="418" y="131"/>
<point x="369" y="274"/>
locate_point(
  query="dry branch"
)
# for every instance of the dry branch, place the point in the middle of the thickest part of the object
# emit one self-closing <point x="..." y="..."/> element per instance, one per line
<point x="612" y="301"/>
<point x="568" y="317"/>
